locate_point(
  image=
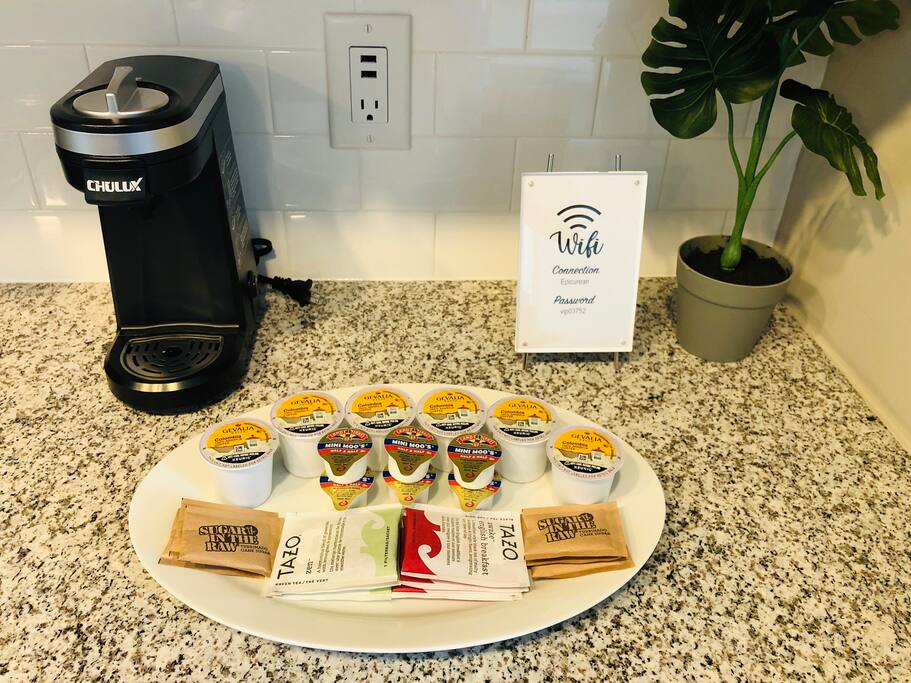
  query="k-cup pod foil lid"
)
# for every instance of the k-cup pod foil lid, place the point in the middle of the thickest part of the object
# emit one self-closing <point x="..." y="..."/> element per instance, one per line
<point x="308" y="414"/>
<point x="450" y="411"/>
<point x="379" y="409"/>
<point x="586" y="453"/>
<point x="237" y="444"/>
<point x="521" y="419"/>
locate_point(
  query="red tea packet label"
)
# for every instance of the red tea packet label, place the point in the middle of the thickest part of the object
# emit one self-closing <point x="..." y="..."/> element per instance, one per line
<point x="343" y="495"/>
<point x="473" y="453"/>
<point x="408" y="493"/>
<point x="410" y="447"/>
<point x="341" y="448"/>
<point x="470" y="499"/>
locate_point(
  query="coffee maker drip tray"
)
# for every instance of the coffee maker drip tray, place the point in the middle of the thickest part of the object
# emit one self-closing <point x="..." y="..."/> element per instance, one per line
<point x="166" y="358"/>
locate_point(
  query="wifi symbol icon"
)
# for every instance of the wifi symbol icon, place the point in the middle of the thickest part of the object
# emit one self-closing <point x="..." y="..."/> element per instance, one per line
<point x="577" y="213"/>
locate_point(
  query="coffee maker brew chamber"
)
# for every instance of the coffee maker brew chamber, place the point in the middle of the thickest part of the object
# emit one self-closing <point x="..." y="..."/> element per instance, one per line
<point x="147" y="140"/>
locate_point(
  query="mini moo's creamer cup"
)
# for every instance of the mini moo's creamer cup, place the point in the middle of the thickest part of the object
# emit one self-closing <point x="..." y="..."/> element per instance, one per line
<point x="448" y="412"/>
<point x="522" y="424"/>
<point x="583" y="462"/>
<point x="379" y="409"/>
<point x="410" y="450"/>
<point x="474" y="458"/>
<point x="301" y="420"/>
<point x="240" y="453"/>
<point x="345" y="452"/>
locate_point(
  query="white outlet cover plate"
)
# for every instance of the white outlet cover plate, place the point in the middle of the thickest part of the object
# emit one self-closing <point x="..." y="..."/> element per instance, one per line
<point x="393" y="32"/>
<point x="580" y="241"/>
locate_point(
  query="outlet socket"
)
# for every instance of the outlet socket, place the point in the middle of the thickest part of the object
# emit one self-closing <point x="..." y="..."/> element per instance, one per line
<point x="368" y="66"/>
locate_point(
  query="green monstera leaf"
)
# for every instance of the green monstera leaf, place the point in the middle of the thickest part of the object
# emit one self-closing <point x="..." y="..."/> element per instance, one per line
<point x="828" y="130"/>
<point x="722" y="47"/>
<point x="801" y="17"/>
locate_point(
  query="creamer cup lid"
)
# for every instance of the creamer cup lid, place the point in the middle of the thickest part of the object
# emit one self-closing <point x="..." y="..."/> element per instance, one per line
<point x="237" y="444"/>
<point x="449" y="411"/>
<point x="521" y="419"/>
<point x="587" y="453"/>
<point x="306" y="415"/>
<point x="379" y="408"/>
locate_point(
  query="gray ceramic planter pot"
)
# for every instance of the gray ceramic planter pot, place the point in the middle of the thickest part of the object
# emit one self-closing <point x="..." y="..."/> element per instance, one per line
<point x="719" y="321"/>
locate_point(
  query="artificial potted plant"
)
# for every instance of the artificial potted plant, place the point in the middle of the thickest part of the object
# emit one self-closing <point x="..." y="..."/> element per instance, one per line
<point x="740" y="50"/>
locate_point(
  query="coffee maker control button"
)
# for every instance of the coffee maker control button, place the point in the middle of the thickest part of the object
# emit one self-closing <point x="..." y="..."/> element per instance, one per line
<point x="123" y="98"/>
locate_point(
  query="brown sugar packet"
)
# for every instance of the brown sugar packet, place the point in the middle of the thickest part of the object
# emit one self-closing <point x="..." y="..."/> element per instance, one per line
<point x="573" y="540"/>
<point x="223" y="539"/>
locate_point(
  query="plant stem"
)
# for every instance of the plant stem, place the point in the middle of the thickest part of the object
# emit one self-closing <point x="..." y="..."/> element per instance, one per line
<point x="768" y="164"/>
<point x="748" y="182"/>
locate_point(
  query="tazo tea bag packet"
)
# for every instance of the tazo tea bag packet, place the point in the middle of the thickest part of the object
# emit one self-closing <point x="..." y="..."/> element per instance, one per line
<point x="572" y="540"/>
<point x="223" y="539"/>
<point x="474" y="499"/>
<point x="346" y="496"/>
<point x="326" y="552"/>
<point x="482" y="549"/>
<point x="410" y="493"/>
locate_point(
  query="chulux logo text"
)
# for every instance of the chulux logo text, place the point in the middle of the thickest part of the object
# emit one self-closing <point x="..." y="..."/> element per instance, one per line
<point x="114" y="185"/>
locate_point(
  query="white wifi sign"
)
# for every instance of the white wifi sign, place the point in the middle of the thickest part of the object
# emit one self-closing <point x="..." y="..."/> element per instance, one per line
<point x="570" y="242"/>
<point x="580" y="237"/>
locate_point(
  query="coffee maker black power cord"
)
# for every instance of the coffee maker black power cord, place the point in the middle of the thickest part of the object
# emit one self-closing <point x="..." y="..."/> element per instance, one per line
<point x="299" y="290"/>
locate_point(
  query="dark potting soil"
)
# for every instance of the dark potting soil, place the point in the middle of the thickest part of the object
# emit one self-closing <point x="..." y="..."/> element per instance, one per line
<point x="753" y="269"/>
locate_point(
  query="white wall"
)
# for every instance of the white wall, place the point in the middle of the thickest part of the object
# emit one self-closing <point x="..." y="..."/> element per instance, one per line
<point x="497" y="85"/>
<point x="852" y="256"/>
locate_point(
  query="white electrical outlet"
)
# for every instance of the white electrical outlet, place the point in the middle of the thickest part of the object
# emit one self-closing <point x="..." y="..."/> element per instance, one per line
<point x="368" y="68"/>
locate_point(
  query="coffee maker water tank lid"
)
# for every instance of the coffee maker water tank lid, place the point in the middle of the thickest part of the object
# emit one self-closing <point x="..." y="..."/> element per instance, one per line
<point x="123" y="98"/>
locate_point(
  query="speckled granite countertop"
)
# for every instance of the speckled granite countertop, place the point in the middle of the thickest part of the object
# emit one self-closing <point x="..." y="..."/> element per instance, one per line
<point x="785" y="555"/>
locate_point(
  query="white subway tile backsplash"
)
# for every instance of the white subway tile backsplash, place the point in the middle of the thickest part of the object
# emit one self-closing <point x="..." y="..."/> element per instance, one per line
<point x="502" y="95"/>
<point x="52" y="247"/>
<point x="592" y="154"/>
<point x="149" y="22"/>
<point x="615" y="27"/>
<point x="476" y="246"/>
<point x="298" y="84"/>
<point x="445" y="174"/>
<point x="243" y="71"/>
<point x="665" y="231"/>
<point x="700" y="175"/>
<point x="253" y="23"/>
<point x="459" y="25"/>
<point x="361" y="245"/>
<point x="283" y="172"/>
<point x="496" y="86"/>
<point x="623" y="109"/>
<point x="271" y="226"/>
<point x="15" y="183"/>
<point x="54" y="192"/>
<point x="32" y="78"/>
<point x="423" y="68"/>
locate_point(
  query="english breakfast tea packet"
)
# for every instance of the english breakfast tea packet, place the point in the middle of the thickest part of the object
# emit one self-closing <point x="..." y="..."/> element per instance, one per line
<point x="321" y="553"/>
<point x="572" y="540"/>
<point x="223" y="539"/>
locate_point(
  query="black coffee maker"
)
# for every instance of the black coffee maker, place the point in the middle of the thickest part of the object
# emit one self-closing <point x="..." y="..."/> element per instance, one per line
<point x="147" y="139"/>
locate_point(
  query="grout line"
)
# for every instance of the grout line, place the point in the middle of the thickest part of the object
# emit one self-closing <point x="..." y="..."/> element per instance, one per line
<point x="433" y="89"/>
<point x="598" y="73"/>
<point x="36" y="197"/>
<point x="667" y="155"/>
<point x="176" y="25"/>
<point x="529" y="10"/>
<point x="268" y="68"/>
<point x="515" y="175"/>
